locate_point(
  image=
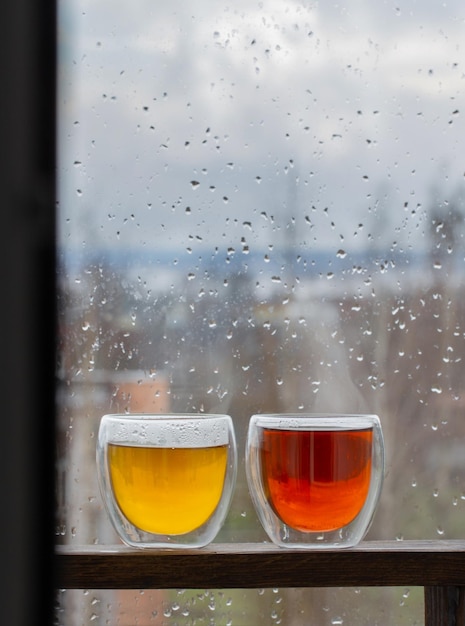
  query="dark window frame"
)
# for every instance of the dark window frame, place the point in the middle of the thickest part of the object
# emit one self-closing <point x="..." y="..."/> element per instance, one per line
<point x="28" y="66"/>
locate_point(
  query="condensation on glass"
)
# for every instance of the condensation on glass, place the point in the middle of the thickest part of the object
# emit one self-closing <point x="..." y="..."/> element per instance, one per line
<point x="261" y="210"/>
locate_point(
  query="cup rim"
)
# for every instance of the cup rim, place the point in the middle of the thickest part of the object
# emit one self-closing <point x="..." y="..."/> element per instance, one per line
<point x="164" y="416"/>
<point x="166" y="430"/>
<point x="314" y="415"/>
<point x="304" y="421"/>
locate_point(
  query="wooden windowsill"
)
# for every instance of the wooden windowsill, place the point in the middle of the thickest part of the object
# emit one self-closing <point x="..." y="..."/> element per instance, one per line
<point x="262" y="565"/>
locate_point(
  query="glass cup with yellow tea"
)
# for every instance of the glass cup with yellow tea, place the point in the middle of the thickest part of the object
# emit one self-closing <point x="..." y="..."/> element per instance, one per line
<point x="166" y="480"/>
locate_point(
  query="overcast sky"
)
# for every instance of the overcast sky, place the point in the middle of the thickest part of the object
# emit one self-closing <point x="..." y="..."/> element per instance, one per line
<point x="192" y="124"/>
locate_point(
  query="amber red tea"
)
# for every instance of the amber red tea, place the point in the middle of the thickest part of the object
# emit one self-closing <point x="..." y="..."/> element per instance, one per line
<point x="316" y="481"/>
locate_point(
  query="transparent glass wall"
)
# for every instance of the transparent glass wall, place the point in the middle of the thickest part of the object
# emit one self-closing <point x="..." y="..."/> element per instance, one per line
<point x="261" y="208"/>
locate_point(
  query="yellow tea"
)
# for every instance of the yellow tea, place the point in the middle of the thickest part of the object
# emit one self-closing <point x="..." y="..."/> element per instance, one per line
<point x="167" y="490"/>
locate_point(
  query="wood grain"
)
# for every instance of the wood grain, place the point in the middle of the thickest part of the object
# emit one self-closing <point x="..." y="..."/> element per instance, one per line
<point x="445" y="606"/>
<point x="223" y="566"/>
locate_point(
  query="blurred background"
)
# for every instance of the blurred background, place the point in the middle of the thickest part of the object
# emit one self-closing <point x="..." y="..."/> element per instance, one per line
<point x="261" y="208"/>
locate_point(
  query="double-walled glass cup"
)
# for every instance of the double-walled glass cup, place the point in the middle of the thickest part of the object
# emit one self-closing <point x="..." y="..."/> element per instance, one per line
<point x="167" y="480"/>
<point x="315" y="480"/>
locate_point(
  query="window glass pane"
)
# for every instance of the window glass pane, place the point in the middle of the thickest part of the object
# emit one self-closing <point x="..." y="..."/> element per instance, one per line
<point x="261" y="209"/>
<point x="325" y="607"/>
